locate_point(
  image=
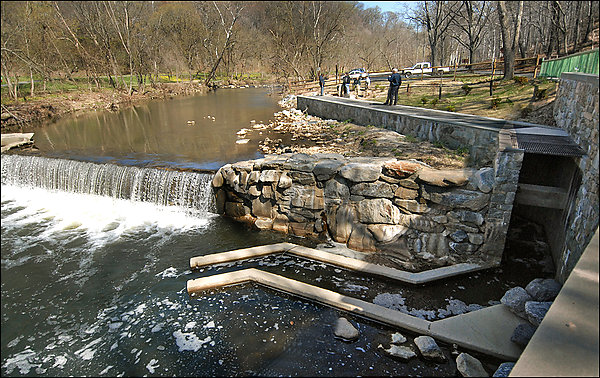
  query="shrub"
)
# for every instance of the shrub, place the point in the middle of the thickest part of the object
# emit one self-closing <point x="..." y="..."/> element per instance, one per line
<point x="466" y="88"/>
<point x="495" y="102"/>
<point x="539" y="94"/>
<point x="424" y="100"/>
<point x="434" y="102"/>
<point x="450" y="108"/>
<point x="410" y="138"/>
<point x="521" y="80"/>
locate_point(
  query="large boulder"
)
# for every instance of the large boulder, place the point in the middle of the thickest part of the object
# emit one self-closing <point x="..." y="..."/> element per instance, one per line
<point x="543" y="290"/>
<point x="379" y="210"/>
<point x="469" y="366"/>
<point x="515" y="300"/>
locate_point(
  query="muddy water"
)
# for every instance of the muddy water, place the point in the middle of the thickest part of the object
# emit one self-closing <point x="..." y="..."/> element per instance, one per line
<point x="95" y="285"/>
<point x="195" y="131"/>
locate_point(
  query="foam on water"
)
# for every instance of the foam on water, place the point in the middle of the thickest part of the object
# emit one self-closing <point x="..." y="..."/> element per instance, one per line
<point x="100" y="220"/>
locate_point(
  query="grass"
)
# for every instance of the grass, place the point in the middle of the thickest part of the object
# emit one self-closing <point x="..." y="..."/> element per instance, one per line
<point x="472" y="96"/>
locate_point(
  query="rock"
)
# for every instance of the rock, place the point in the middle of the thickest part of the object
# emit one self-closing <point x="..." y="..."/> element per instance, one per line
<point x="411" y="206"/>
<point x="284" y="181"/>
<point x="402" y="352"/>
<point x="280" y="223"/>
<point x="465" y="216"/>
<point x="345" y="329"/>
<point x="483" y="179"/>
<point x="504" y="369"/>
<point x="360" y="172"/>
<point x="522" y="334"/>
<point x="401" y="169"/>
<point x="217" y="181"/>
<point x="398" y="338"/>
<point x="536" y="311"/>
<point x="385" y="233"/>
<point x="360" y="239"/>
<point x="264" y="223"/>
<point x="515" y="300"/>
<point x="406" y="193"/>
<point x="445" y="177"/>
<point x="469" y="366"/>
<point x="336" y="190"/>
<point x="543" y="290"/>
<point x="376" y="189"/>
<point x="340" y="221"/>
<point x="308" y="197"/>
<point x="235" y="209"/>
<point x="429" y="349"/>
<point x="459" y="198"/>
<point x="458" y="236"/>
<point x="262" y="208"/>
<point x="379" y="210"/>
<point x="269" y="175"/>
<point x="476" y="238"/>
<point x="303" y="178"/>
<point x="326" y="169"/>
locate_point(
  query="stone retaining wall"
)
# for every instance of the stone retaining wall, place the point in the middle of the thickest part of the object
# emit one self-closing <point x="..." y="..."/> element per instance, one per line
<point x="414" y="216"/>
<point x="482" y="142"/>
<point x="576" y="111"/>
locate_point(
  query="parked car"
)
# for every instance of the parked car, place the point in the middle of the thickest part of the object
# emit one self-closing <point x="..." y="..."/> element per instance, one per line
<point x="425" y="68"/>
<point x="358" y="73"/>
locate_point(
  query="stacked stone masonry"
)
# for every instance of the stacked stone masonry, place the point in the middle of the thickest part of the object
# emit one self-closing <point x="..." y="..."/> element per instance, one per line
<point x="417" y="216"/>
<point x="576" y="111"/>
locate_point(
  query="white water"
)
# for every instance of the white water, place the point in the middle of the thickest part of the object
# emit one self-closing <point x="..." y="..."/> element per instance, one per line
<point x="162" y="187"/>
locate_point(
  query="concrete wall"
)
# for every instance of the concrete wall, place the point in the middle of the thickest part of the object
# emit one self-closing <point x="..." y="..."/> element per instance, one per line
<point x="576" y="111"/>
<point x="409" y="215"/>
<point x="481" y="141"/>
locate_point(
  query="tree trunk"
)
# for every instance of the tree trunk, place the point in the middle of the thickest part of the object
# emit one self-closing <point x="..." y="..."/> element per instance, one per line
<point x="510" y="37"/>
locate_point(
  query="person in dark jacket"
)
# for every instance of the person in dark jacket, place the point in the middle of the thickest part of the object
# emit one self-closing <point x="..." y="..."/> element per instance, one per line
<point x="322" y="83"/>
<point x="346" y="83"/>
<point x="395" y="81"/>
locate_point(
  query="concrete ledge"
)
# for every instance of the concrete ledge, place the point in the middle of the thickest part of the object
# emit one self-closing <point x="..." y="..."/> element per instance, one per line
<point x="15" y="140"/>
<point x="566" y="342"/>
<point x="335" y="259"/>
<point x="487" y="331"/>
<point x="582" y="77"/>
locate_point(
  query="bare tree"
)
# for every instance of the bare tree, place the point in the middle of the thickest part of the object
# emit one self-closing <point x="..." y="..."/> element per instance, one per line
<point x="471" y="19"/>
<point x="436" y="17"/>
<point x="510" y="28"/>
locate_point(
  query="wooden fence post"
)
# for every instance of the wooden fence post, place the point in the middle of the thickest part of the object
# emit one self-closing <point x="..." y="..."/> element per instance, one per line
<point x="454" y="78"/>
<point x="537" y="63"/>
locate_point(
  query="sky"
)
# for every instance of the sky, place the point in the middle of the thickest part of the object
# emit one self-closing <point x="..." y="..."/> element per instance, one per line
<point x="390" y="6"/>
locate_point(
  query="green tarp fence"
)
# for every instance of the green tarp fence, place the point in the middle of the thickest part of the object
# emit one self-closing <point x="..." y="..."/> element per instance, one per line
<point x="584" y="62"/>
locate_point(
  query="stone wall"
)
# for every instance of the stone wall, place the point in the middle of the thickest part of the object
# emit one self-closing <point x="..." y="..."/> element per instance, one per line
<point x="481" y="141"/>
<point x="410" y="215"/>
<point x="576" y="111"/>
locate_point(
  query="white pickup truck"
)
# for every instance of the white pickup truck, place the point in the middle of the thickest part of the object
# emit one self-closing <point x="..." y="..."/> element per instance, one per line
<point x="423" y="68"/>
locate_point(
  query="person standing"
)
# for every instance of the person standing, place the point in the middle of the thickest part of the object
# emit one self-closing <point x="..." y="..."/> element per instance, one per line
<point x="367" y="84"/>
<point x="322" y="83"/>
<point x="395" y="81"/>
<point x="346" y="83"/>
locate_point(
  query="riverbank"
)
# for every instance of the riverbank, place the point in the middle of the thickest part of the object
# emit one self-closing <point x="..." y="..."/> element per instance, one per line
<point x="23" y="115"/>
<point x="309" y="134"/>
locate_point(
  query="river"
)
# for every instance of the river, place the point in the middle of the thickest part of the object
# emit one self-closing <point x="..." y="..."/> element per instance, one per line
<point x="96" y="242"/>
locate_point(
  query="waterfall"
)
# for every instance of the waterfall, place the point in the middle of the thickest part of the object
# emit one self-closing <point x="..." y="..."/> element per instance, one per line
<point x="187" y="189"/>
